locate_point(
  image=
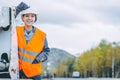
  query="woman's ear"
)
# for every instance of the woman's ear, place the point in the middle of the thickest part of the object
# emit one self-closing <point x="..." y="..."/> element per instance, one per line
<point x="22" y="18"/>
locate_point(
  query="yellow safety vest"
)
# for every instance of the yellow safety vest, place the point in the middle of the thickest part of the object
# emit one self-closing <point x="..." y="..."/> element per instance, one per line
<point x="28" y="52"/>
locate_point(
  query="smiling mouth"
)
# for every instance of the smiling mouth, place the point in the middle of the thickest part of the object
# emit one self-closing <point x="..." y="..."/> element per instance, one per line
<point x="29" y="21"/>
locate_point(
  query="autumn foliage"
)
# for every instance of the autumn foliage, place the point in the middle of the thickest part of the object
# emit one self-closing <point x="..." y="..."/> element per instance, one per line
<point x="97" y="62"/>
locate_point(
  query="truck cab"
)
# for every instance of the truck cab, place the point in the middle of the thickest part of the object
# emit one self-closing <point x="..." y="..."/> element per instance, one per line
<point x="8" y="44"/>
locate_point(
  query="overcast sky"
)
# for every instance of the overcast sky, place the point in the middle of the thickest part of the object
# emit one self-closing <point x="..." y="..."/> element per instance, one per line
<point x="76" y="25"/>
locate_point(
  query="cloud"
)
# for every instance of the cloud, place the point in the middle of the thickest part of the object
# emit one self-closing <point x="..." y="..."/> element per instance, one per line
<point x="80" y="36"/>
<point x="72" y="11"/>
<point x="76" y="25"/>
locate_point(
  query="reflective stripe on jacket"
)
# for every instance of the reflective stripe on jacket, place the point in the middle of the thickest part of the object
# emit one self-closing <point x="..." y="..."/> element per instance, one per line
<point x="28" y="52"/>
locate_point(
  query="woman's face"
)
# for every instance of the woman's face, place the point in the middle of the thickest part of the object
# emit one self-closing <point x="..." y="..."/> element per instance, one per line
<point x="28" y="19"/>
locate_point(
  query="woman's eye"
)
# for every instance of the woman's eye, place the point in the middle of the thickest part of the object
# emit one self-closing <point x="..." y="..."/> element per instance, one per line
<point x="33" y="16"/>
<point x="26" y="16"/>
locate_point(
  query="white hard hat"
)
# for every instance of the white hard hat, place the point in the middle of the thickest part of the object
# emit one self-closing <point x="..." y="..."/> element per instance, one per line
<point x="29" y="10"/>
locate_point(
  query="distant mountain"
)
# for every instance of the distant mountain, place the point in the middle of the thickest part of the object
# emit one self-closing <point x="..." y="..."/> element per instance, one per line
<point x="55" y="56"/>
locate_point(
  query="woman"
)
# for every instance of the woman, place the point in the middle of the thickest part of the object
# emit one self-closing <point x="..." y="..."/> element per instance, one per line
<point x="32" y="46"/>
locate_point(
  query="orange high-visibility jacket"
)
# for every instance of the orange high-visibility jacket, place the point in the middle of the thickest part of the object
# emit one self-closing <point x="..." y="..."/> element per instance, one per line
<point x="28" y="52"/>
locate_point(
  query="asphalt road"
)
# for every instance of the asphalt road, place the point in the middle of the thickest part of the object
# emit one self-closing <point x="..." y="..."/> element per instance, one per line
<point x="74" y="79"/>
<point x="83" y="79"/>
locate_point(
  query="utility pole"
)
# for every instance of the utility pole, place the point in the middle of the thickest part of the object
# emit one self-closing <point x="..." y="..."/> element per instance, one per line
<point x="113" y="59"/>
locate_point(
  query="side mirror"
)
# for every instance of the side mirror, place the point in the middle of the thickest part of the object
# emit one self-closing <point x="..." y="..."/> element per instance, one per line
<point x="5" y="18"/>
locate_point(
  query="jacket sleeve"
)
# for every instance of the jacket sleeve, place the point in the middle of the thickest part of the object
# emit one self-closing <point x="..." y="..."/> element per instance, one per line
<point x="43" y="56"/>
<point x="46" y="49"/>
